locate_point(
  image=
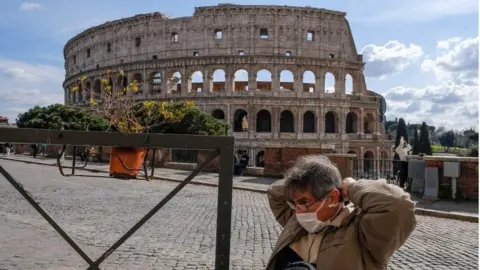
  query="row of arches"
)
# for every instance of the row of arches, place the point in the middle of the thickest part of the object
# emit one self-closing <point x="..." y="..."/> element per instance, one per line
<point x="263" y="78"/>
<point x="218" y="80"/>
<point x="287" y="122"/>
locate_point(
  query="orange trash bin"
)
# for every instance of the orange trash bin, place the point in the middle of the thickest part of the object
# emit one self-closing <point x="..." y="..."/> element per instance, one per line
<point x="132" y="158"/>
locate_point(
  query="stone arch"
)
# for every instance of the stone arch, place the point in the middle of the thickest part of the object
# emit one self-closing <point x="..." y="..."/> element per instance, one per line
<point x="157" y="80"/>
<point x="240" y="80"/>
<point x="348" y="84"/>
<point x="309" y="121"/>
<point x="80" y="92"/>
<point x="138" y="78"/>
<point x="264" y="121"/>
<point x="218" y="114"/>
<point x="109" y="85"/>
<point x="351" y="123"/>
<point x="259" y="159"/>
<point x="331" y="122"/>
<point x="264" y="80"/>
<point x="368" y="124"/>
<point x="88" y="88"/>
<point x="368" y="163"/>
<point x="219" y="81"/>
<point x="287" y="122"/>
<point x="196" y="84"/>
<point x="309" y="81"/>
<point x="97" y="88"/>
<point x="238" y="118"/>
<point x="329" y="82"/>
<point x="286" y="80"/>
<point x="175" y="82"/>
<point x="122" y="82"/>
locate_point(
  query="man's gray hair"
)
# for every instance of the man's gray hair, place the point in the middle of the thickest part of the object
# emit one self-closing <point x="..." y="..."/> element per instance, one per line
<point x="315" y="171"/>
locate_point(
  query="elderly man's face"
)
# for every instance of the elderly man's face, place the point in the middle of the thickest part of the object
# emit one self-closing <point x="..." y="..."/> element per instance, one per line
<point x="306" y="203"/>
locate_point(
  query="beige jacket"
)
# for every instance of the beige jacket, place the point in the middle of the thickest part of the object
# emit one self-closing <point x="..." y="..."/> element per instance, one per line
<point x="383" y="219"/>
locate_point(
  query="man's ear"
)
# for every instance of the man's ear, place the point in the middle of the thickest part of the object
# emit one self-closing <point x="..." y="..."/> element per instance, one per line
<point x="335" y="197"/>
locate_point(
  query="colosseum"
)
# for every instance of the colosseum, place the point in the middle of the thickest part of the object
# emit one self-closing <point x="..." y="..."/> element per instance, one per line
<point x="280" y="75"/>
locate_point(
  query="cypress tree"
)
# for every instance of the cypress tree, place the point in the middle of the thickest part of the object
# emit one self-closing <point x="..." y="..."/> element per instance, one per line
<point x="401" y="132"/>
<point x="425" y="145"/>
<point x="416" y="142"/>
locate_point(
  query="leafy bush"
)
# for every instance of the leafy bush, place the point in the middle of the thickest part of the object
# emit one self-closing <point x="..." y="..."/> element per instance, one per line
<point x="178" y="118"/>
<point x="473" y="152"/>
<point x="57" y="116"/>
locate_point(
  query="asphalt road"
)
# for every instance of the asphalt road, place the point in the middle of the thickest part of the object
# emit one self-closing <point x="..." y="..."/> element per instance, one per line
<point x="97" y="211"/>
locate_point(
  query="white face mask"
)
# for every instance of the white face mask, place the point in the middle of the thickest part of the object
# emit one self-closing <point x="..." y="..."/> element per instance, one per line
<point x="310" y="222"/>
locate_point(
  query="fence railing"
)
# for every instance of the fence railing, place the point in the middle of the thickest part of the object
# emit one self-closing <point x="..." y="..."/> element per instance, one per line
<point x="366" y="168"/>
<point x="221" y="146"/>
<point x="256" y="155"/>
<point x="184" y="156"/>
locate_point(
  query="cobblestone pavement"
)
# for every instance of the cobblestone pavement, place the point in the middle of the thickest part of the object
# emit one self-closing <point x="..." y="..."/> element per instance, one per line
<point x="97" y="211"/>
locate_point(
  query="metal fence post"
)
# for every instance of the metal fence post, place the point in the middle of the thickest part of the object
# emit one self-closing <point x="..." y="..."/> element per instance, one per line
<point x="224" y="207"/>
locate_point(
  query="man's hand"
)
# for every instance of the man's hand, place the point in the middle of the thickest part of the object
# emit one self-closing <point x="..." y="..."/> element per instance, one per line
<point x="345" y="185"/>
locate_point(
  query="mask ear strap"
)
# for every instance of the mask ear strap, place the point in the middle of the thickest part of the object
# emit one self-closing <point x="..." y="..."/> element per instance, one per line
<point x="340" y="200"/>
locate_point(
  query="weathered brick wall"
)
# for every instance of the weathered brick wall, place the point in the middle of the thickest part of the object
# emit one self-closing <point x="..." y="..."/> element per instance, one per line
<point x="344" y="163"/>
<point x="467" y="183"/>
<point x="278" y="160"/>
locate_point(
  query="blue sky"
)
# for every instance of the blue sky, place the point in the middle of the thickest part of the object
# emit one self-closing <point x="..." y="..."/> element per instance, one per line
<point x="421" y="55"/>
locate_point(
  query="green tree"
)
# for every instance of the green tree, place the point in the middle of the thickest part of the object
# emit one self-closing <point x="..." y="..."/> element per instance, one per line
<point x="425" y="145"/>
<point x="416" y="142"/>
<point x="59" y="116"/>
<point x="447" y="140"/>
<point x="474" y="137"/>
<point x="401" y="132"/>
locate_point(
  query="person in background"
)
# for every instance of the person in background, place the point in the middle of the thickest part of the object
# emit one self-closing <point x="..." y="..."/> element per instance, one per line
<point x="8" y="148"/>
<point x="243" y="163"/>
<point x="35" y="148"/>
<point x="402" y="150"/>
<point x="332" y="224"/>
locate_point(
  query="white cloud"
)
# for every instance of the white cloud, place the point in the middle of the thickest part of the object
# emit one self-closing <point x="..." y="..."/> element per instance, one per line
<point x="28" y="6"/>
<point x="393" y="57"/>
<point x="30" y="73"/>
<point x="457" y="59"/>
<point x="412" y="11"/>
<point x="24" y="85"/>
<point x="447" y="104"/>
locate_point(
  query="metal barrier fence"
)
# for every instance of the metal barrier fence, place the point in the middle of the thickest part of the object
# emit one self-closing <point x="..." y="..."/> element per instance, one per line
<point x="366" y="168"/>
<point x="255" y="154"/>
<point x="222" y="146"/>
<point x="184" y="156"/>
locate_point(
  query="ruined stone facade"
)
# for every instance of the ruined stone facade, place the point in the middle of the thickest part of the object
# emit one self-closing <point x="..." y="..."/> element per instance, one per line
<point x="163" y="54"/>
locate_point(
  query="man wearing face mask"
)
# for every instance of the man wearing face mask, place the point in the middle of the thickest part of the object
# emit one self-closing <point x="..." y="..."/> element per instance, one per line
<point x="333" y="224"/>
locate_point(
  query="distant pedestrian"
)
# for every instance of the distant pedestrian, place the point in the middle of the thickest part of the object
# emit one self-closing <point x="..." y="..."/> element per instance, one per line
<point x="243" y="163"/>
<point x="35" y="149"/>
<point x="8" y="148"/>
<point x="402" y="151"/>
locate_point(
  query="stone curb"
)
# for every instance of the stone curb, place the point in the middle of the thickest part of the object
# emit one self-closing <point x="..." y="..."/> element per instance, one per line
<point x="418" y="211"/>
